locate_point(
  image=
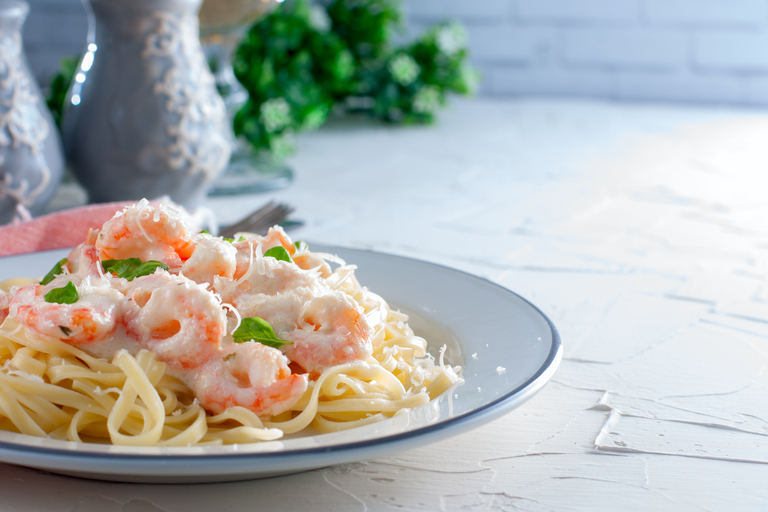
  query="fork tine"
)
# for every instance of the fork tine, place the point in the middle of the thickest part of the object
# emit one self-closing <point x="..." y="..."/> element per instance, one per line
<point x="259" y="221"/>
<point x="266" y="222"/>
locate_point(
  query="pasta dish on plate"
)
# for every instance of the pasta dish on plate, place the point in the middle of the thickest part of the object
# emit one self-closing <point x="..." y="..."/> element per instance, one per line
<point x="149" y="334"/>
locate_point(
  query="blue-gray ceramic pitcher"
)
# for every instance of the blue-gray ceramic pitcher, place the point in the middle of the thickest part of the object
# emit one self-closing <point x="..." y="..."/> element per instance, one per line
<point x="143" y="118"/>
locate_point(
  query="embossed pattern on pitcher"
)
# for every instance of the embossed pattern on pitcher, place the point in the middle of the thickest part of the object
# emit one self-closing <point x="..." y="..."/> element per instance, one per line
<point x="190" y="97"/>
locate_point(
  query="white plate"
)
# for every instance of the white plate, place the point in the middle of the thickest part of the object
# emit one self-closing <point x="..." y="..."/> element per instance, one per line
<point x="507" y="347"/>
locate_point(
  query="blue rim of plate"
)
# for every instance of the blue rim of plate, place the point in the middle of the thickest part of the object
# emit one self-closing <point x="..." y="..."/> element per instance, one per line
<point x="450" y="426"/>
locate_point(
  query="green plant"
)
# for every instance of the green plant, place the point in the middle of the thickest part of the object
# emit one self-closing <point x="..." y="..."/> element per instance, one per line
<point x="292" y="69"/>
<point x="59" y="86"/>
<point x="366" y="27"/>
<point x="419" y="76"/>
<point x="302" y="60"/>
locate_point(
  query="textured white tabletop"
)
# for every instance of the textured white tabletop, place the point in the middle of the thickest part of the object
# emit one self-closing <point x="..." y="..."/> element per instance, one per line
<point x="641" y="231"/>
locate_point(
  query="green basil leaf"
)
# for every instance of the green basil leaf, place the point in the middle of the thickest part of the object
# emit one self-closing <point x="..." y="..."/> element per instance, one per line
<point x="55" y="271"/>
<point x="279" y="253"/>
<point x="205" y="231"/>
<point x="230" y="240"/>
<point x="132" y="268"/>
<point x="67" y="294"/>
<point x="258" y="330"/>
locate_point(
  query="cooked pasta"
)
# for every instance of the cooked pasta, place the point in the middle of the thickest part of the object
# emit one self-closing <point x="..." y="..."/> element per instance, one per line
<point x="131" y="388"/>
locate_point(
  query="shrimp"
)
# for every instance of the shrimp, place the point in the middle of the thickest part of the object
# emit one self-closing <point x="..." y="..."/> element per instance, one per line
<point x="275" y="237"/>
<point x="179" y="320"/>
<point x="250" y="375"/>
<point x="211" y="257"/>
<point x="308" y="261"/>
<point x="82" y="261"/>
<point x="327" y="326"/>
<point x="148" y="233"/>
<point x="278" y="295"/>
<point x="93" y="318"/>
<point x="333" y="331"/>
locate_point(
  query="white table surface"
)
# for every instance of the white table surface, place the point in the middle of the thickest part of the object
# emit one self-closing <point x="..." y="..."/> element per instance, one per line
<point x="642" y="231"/>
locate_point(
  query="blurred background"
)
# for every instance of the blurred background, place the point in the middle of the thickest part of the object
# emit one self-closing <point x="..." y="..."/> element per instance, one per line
<point x="691" y="51"/>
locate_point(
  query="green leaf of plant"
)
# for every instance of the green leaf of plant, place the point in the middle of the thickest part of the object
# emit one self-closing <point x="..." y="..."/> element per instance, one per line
<point x="258" y="330"/>
<point x="67" y="294"/>
<point x="55" y="271"/>
<point x="132" y="268"/>
<point x="279" y="253"/>
<point x="59" y="85"/>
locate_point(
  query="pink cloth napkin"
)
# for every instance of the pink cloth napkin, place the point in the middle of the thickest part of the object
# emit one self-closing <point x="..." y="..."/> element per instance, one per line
<point x="56" y="230"/>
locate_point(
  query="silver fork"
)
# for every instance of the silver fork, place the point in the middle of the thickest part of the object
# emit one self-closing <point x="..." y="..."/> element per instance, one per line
<point x="259" y="221"/>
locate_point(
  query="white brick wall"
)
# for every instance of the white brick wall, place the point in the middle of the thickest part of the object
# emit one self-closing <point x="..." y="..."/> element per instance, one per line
<point x="576" y="11"/>
<point x="731" y="52"/>
<point x="700" y="51"/>
<point x="504" y="44"/>
<point x="623" y="48"/>
<point x="728" y="13"/>
<point x="703" y="51"/>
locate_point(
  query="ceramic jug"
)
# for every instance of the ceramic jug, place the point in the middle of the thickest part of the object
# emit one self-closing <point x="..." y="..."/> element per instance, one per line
<point x="143" y="118"/>
<point x="31" y="159"/>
